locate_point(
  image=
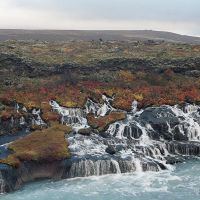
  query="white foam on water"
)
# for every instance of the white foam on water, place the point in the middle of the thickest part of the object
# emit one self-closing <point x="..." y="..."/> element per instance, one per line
<point x="80" y="145"/>
<point x="138" y="166"/>
<point x="181" y="184"/>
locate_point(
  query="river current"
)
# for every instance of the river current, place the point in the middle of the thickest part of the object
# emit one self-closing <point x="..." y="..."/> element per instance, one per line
<point x="182" y="182"/>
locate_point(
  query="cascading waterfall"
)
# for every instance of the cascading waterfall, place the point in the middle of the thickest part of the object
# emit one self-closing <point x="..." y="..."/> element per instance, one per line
<point x="37" y="120"/>
<point x="84" y="168"/>
<point x="149" y="139"/>
<point x="99" y="109"/>
<point x="35" y="113"/>
<point x="2" y="183"/>
<point x="76" y="117"/>
<point x="21" y="122"/>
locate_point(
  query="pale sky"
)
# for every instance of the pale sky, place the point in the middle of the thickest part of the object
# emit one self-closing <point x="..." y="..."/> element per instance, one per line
<point x="180" y="16"/>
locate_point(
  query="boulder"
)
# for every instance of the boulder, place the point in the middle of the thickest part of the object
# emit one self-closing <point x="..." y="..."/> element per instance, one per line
<point x="85" y="131"/>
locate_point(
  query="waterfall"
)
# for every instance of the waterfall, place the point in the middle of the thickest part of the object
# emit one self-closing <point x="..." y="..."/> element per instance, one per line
<point x="167" y="119"/>
<point x="87" y="167"/>
<point x="99" y="109"/>
<point x="147" y="139"/>
<point x="134" y="106"/>
<point x="22" y="121"/>
<point x="92" y="167"/>
<point x="151" y="139"/>
<point x="76" y="117"/>
<point x="17" y="107"/>
<point x="37" y="120"/>
<point x="2" y="183"/>
<point x="138" y="166"/>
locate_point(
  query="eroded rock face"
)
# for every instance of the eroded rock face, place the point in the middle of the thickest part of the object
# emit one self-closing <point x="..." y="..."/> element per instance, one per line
<point x="13" y="178"/>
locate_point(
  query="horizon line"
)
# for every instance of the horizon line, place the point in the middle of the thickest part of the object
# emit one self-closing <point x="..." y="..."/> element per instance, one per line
<point x="46" y="29"/>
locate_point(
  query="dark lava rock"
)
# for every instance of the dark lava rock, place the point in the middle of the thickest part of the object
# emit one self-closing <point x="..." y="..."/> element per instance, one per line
<point x="134" y="132"/>
<point x="180" y="136"/>
<point x="2" y="107"/>
<point x="8" y="82"/>
<point x="111" y="150"/>
<point x="174" y="159"/>
<point x="160" y="118"/>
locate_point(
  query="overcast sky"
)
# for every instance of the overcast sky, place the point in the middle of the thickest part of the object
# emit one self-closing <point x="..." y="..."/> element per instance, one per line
<point x="181" y="16"/>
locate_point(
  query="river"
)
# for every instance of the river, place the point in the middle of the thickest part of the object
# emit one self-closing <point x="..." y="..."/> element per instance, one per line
<point x="182" y="182"/>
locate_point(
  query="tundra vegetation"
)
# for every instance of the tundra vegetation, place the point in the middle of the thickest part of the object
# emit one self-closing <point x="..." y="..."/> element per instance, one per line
<point x="34" y="72"/>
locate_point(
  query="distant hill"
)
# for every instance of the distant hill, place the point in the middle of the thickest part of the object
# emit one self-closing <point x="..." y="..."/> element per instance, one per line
<point x="64" y="35"/>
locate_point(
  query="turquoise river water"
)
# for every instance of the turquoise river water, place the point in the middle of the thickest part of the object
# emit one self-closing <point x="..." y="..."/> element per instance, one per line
<point x="181" y="183"/>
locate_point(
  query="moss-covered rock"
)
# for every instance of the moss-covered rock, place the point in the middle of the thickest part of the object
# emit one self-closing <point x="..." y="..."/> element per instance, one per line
<point x="46" y="145"/>
<point x="50" y="116"/>
<point x="102" y="123"/>
<point x="85" y="131"/>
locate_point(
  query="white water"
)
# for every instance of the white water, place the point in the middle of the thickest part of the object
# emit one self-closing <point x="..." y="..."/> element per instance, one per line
<point x="145" y="141"/>
<point x="37" y="120"/>
<point x="134" y="137"/>
<point x="99" y="109"/>
<point x="183" y="183"/>
<point x="76" y="117"/>
<point x="188" y="122"/>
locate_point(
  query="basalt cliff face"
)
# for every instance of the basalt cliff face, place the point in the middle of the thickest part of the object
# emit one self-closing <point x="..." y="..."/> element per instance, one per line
<point x="149" y="139"/>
